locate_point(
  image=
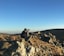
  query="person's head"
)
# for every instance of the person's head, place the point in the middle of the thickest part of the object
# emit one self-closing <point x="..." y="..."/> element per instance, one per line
<point x="25" y="29"/>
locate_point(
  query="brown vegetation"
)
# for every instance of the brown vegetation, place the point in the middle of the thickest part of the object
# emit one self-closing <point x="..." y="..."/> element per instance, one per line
<point x="32" y="45"/>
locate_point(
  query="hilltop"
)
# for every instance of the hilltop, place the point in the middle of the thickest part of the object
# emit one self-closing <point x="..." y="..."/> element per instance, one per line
<point x="41" y="43"/>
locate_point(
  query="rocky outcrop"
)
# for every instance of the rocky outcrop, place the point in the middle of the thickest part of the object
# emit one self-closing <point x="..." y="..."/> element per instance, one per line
<point x="35" y="45"/>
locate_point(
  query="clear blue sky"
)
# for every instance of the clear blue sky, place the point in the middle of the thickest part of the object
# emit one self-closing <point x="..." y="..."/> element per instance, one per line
<point x="33" y="14"/>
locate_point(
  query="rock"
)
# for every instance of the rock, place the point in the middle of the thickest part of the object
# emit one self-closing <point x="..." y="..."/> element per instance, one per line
<point x="35" y="45"/>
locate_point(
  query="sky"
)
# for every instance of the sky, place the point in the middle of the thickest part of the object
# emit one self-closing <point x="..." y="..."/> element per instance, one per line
<point x="15" y="15"/>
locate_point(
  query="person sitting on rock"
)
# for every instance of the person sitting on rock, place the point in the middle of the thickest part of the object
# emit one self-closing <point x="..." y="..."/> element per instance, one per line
<point x="25" y="34"/>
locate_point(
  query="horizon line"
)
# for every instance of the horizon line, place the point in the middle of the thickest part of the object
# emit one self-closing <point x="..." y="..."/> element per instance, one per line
<point x="15" y="32"/>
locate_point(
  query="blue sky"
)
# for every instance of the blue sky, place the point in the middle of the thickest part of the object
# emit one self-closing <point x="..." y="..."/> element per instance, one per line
<point x="15" y="15"/>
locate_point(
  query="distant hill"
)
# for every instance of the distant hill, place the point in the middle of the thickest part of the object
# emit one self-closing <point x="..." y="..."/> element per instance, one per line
<point x="59" y="33"/>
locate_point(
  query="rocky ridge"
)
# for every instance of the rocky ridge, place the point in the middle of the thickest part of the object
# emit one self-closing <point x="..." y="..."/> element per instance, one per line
<point x="35" y="45"/>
